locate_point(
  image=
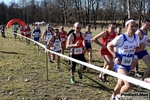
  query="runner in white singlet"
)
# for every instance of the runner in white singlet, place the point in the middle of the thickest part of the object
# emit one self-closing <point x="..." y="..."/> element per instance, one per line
<point x="125" y="46"/>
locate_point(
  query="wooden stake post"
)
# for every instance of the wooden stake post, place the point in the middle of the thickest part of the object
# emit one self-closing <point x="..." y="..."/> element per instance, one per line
<point x="46" y="64"/>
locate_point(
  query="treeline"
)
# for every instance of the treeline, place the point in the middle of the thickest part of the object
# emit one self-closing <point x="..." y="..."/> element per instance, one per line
<point x="70" y="11"/>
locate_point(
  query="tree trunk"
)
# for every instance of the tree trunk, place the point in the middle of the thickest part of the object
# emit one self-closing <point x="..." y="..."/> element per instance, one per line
<point x="129" y="8"/>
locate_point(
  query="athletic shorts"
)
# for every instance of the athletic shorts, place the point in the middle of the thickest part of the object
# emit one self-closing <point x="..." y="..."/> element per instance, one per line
<point x="58" y="51"/>
<point x="105" y="52"/>
<point x="78" y="57"/>
<point x="141" y="54"/>
<point x="88" y="46"/>
<point x="116" y="67"/>
<point x="27" y="35"/>
<point x="36" y="38"/>
<point x="22" y="34"/>
<point x="64" y="43"/>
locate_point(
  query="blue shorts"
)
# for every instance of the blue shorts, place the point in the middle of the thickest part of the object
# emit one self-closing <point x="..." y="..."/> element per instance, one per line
<point x="88" y="46"/>
<point x="141" y="54"/>
<point x="36" y="39"/>
<point x="58" y="51"/>
<point x="116" y="67"/>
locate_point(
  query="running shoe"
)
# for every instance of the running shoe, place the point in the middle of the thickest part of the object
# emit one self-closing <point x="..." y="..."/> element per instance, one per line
<point x="137" y="75"/>
<point x="72" y="80"/>
<point x="105" y="77"/>
<point x="50" y="60"/>
<point x="112" y="98"/>
<point x="58" y="68"/>
<point x="118" y="97"/>
<point x="80" y="74"/>
<point x="101" y="78"/>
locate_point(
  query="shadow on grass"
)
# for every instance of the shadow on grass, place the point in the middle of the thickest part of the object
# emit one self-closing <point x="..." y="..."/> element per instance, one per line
<point x="95" y="50"/>
<point x="11" y="52"/>
<point x="100" y="86"/>
<point x="91" y="71"/>
<point x="138" y="89"/>
<point x="98" y="61"/>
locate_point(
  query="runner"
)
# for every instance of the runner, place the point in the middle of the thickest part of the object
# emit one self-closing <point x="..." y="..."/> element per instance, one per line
<point x="88" y="39"/>
<point x="143" y="35"/>
<point x="3" y="31"/>
<point x="15" y="31"/>
<point x="75" y="42"/>
<point x="36" y="35"/>
<point x="27" y="33"/>
<point x="71" y="31"/>
<point x="106" y="36"/>
<point x="119" y="30"/>
<point x="63" y="37"/>
<point x="54" y="44"/>
<point x="47" y="34"/>
<point x="22" y="31"/>
<point x="125" y="46"/>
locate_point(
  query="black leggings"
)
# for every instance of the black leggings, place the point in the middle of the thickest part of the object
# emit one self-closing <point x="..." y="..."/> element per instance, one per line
<point x="78" y="57"/>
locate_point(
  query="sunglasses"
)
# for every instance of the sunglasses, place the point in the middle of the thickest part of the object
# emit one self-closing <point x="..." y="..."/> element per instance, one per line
<point x="78" y="27"/>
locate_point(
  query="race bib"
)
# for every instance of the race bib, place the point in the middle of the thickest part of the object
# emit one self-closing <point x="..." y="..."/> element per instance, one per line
<point x="78" y="50"/>
<point x="126" y="61"/>
<point x="62" y="39"/>
<point x="27" y="32"/>
<point x="57" y="45"/>
<point x="36" y="34"/>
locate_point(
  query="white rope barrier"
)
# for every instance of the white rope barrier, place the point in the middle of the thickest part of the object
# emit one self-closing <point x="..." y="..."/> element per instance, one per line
<point x="117" y="75"/>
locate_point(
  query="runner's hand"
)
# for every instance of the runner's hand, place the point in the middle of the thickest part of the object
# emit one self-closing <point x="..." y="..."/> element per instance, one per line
<point x="77" y="43"/>
<point x="117" y="60"/>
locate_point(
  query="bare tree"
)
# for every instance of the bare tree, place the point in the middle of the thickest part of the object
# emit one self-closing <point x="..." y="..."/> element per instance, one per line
<point x="139" y="6"/>
<point x="129" y="8"/>
<point x="3" y="10"/>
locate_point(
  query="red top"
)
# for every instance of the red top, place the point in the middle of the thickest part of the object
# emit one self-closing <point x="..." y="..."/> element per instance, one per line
<point x="78" y="49"/>
<point x="27" y="30"/>
<point x="105" y="40"/>
<point x="108" y="38"/>
<point x="63" y="36"/>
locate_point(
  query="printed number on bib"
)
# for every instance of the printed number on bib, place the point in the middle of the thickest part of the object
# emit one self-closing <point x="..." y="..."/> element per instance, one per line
<point x="126" y="61"/>
<point x="78" y="50"/>
<point x="57" y="45"/>
<point x="36" y="34"/>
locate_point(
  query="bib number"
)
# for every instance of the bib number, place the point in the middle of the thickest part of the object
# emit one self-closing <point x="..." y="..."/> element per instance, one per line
<point x="126" y="61"/>
<point x="57" y="45"/>
<point x="36" y="34"/>
<point x="78" y="50"/>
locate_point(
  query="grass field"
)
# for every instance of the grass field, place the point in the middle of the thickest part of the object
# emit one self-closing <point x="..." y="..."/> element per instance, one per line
<point x="23" y="75"/>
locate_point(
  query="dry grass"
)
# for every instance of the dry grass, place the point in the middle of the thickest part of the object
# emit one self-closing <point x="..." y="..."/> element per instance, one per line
<point x="23" y="75"/>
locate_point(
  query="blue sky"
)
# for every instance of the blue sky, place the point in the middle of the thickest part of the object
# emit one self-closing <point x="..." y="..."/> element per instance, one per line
<point x="7" y="1"/>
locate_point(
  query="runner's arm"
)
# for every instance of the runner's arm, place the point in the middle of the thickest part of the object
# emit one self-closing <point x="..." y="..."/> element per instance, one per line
<point x="83" y="36"/>
<point x="95" y="39"/>
<point x="110" y="48"/>
<point x="69" y="43"/>
<point x="44" y="35"/>
<point x="50" y="42"/>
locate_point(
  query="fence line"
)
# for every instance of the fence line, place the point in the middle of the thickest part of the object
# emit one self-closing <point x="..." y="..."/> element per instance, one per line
<point x="112" y="73"/>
